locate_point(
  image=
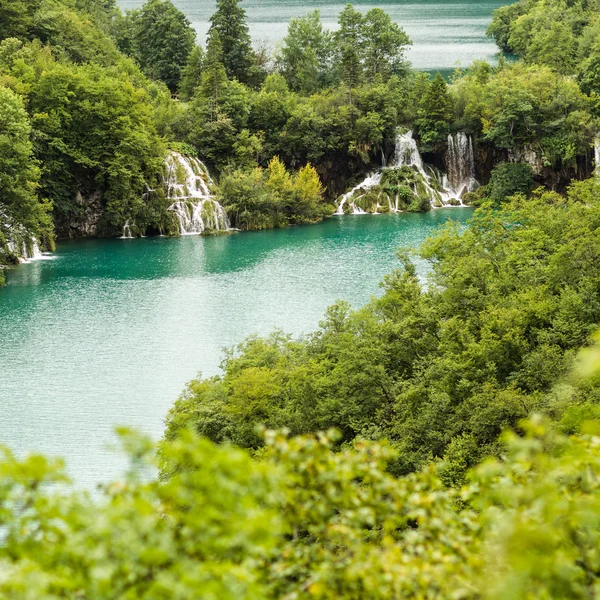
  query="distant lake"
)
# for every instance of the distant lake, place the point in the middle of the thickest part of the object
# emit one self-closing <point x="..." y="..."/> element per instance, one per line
<point x="444" y="34"/>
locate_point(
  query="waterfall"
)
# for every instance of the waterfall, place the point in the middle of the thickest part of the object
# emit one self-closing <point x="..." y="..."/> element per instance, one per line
<point x="437" y="184"/>
<point x="349" y="197"/>
<point x="188" y="186"/>
<point x="407" y="153"/>
<point x="460" y="162"/>
<point x="439" y="188"/>
<point x="26" y="251"/>
<point x="597" y="155"/>
<point x="127" y="231"/>
<point x="36" y="253"/>
<point x="19" y="242"/>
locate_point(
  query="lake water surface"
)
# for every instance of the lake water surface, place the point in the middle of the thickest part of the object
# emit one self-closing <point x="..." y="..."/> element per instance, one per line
<point x="445" y="33"/>
<point x="108" y="332"/>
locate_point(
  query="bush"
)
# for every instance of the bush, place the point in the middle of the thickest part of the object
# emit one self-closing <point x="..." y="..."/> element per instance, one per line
<point x="273" y="197"/>
<point x="509" y="179"/>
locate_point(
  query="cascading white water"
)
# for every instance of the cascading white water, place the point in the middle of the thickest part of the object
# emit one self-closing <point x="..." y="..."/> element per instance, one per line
<point x="407" y="153"/>
<point x="19" y="241"/>
<point x="27" y="253"/>
<point x="597" y="155"/>
<point x="370" y="182"/>
<point x="440" y="188"/>
<point x="460" y="162"/>
<point x="188" y="186"/>
<point x="127" y="231"/>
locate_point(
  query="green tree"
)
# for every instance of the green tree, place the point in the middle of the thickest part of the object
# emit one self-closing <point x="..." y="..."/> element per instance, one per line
<point x="191" y="76"/>
<point x="509" y="179"/>
<point x="270" y="111"/>
<point x="163" y="40"/>
<point x="435" y="112"/>
<point x="248" y="149"/>
<point x="589" y="72"/>
<point x="229" y="23"/>
<point x="306" y="55"/>
<point x="23" y="217"/>
<point x="100" y="149"/>
<point x="385" y="47"/>
<point x="502" y="21"/>
<point x="214" y="76"/>
<point x="349" y="40"/>
<point x="16" y="17"/>
<point x="533" y="107"/>
<point x="19" y="173"/>
<point x="258" y="199"/>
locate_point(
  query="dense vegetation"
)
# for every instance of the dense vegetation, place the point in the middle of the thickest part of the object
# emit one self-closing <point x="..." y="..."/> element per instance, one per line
<point x="106" y="95"/>
<point x="436" y="368"/>
<point x="415" y="492"/>
<point x="309" y="521"/>
<point x="271" y="197"/>
<point x="562" y="35"/>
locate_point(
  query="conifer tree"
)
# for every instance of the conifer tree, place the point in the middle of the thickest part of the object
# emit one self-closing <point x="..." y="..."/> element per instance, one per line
<point x="435" y="112"/>
<point x="229" y="23"/>
<point x="191" y="75"/>
<point x="214" y="76"/>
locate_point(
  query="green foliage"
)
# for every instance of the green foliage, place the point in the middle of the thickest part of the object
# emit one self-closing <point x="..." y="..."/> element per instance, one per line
<point x="19" y="172"/>
<point x="509" y="179"/>
<point x="201" y="534"/>
<point x="527" y="109"/>
<point x="386" y="44"/>
<point x="16" y="17"/>
<point x="160" y="37"/>
<point x="502" y="21"/>
<point x="369" y="47"/>
<point x="219" y="110"/>
<point x="96" y="134"/>
<point x="306" y="55"/>
<point x="214" y="76"/>
<point x="191" y="76"/>
<point x="307" y="520"/>
<point x="510" y="300"/>
<point x="229" y="24"/>
<point x="349" y="39"/>
<point x="435" y="113"/>
<point x="547" y="32"/>
<point x="66" y="25"/>
<point x="272" y="197"/>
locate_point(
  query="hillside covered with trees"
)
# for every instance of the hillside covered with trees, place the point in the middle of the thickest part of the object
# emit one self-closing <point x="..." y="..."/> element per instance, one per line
<point x="95" y="99"/>
<point x="440" y="442"/>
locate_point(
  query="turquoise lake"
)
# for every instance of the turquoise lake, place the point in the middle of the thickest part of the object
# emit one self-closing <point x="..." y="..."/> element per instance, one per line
<point x="445" y="33"/>
<point x="108" y="332"/>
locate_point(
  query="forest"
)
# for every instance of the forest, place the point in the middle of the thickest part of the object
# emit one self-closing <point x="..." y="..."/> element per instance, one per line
<point x="94" y="100"/>
<point x="443" y="441"/>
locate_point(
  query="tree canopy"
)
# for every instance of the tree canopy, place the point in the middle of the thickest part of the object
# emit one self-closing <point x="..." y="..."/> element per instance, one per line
<point x="509" y="302"/>
<point x="160" y="37"/>
<point x="229" y="23"/>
